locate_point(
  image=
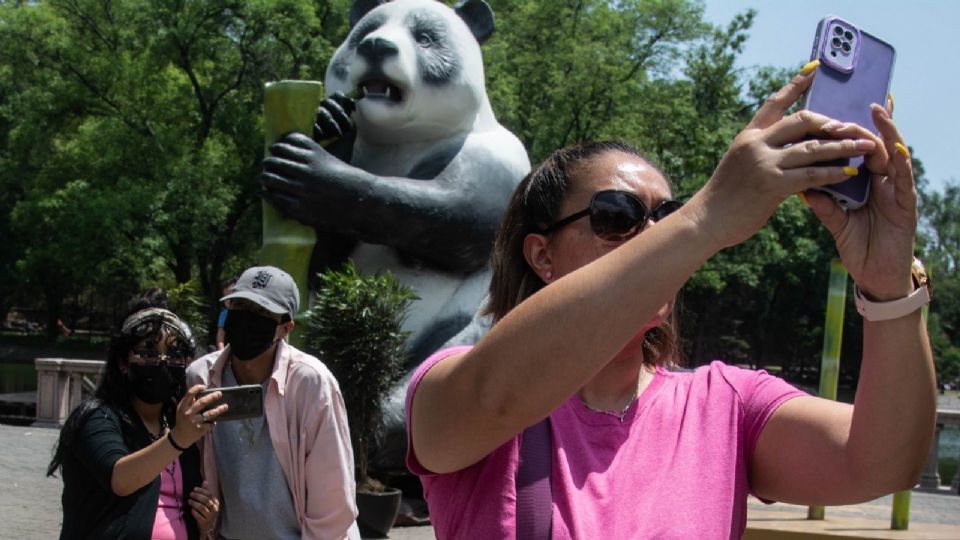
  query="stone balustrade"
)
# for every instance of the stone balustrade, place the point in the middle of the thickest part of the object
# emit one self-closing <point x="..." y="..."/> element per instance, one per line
<point x="930" y="479"/>
<point x="62" y="383"/>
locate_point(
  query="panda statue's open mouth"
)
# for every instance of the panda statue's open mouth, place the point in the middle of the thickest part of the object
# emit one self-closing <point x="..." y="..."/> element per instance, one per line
<point x="381" y="89"/>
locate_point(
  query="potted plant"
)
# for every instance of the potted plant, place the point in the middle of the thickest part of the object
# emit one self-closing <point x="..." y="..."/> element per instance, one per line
<point x="354" y="327"/>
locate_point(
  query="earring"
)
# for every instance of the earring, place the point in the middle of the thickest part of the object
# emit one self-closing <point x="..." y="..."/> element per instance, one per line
<point x="548" y="276"/>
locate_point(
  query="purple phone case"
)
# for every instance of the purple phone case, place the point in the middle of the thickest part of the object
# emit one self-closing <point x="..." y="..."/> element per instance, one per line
<point x="845" y="85"/>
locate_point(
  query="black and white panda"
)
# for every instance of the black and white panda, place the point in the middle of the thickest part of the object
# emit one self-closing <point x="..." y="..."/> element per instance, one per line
<point x="418" y="187"/>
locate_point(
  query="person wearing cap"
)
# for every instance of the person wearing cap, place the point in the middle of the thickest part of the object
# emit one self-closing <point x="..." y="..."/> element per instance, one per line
<point x="290" y="472"/>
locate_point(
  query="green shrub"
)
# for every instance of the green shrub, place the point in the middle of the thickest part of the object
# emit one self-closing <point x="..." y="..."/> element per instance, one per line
<point x="355" y="328"/>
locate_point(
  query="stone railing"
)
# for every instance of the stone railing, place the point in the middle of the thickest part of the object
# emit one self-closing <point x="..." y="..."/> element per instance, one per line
<point x="930" y="479"/>
<point x="62" y="383"/>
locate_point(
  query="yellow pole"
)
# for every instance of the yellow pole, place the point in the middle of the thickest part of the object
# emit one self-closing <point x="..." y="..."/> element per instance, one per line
<point x="832" y="340"/>
<point x="287" y="243"/>
<point x="900" y="512"/>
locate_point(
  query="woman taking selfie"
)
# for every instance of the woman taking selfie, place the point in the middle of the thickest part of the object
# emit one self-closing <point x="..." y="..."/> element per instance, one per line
<point x="129" y="464"/>
<point x="563" y="421"/>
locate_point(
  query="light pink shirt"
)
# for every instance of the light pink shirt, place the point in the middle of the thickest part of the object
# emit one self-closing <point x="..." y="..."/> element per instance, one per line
<point x="169" y="523"/>
<point x="308" y="428"/>
<point x="675" y="467"/>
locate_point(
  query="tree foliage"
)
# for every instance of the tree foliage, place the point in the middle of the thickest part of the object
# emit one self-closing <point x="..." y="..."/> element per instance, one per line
<point x="130" y="135"/>
<point x="132" y="132"/>
<point x="941" y="246"/>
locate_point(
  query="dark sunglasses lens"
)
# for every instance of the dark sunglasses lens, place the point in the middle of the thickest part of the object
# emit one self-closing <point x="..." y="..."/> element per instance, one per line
<point x="177" y="361"/>
<point x="616" y="216"/>
<point x="665" y="209"/>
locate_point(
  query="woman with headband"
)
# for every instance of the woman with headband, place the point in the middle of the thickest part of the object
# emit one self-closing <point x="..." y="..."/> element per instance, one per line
<point x="128" y="459"/>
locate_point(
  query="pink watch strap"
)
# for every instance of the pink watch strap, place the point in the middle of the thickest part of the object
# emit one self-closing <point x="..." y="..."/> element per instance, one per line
<point x="884" y="311"/>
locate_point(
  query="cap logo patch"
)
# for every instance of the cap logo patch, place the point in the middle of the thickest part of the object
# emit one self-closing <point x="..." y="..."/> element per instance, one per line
<point x="261" y="279"/>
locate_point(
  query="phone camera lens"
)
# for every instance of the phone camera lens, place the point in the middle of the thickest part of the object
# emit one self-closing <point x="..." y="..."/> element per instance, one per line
<point x="849" y="35"/>
<point x="836" y="42"/>
<point x="837" y="31"/>
<point x="845" y="46"/>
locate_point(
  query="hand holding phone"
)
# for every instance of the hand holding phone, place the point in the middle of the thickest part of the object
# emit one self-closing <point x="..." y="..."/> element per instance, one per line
<point x="855" y="71"/>
<point x="245" y="401"/>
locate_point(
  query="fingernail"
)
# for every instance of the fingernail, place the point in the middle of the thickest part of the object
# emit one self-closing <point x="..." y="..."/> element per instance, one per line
<point x="850" y="171"/>
<point x="803" y="199"/>
<point x="831" y="126"/>
<point x="809" y="67"/>
<point x="902" y="149"/>
<point x="890" y="97"/>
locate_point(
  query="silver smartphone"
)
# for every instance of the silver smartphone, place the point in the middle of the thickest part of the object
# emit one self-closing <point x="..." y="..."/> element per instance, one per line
<point x="244" y="401"/>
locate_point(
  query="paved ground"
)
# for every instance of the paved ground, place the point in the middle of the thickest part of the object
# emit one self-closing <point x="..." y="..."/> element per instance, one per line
<point x="30" y="502"/>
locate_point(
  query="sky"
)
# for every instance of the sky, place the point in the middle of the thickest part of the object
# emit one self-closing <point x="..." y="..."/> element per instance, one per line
<point x="926" y="76"/>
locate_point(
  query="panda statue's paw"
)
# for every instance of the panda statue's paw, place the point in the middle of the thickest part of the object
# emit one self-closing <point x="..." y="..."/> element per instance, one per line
<point x="333" y="118"/>
<point x="304" y="181"/>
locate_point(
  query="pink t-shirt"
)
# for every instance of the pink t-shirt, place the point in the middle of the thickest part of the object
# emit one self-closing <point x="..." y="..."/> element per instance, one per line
<point x="675" y="467"/>
<point x="169" y="524"/>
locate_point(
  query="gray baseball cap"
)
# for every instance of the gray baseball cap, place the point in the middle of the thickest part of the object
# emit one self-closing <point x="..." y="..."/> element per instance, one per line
<point x="270" y="287"/>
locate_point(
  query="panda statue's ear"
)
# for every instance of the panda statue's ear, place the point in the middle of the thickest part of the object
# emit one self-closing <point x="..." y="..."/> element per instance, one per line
<point x="361" y="8"/>
<point x="479" y="18"/>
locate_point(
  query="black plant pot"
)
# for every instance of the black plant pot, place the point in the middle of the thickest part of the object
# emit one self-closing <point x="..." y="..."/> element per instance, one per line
<point x="378" y="511"/>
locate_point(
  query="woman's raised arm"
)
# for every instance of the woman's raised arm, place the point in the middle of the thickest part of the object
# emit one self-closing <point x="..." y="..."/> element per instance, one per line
<point x="814" y="451"/>
<point x="557" y="340"/>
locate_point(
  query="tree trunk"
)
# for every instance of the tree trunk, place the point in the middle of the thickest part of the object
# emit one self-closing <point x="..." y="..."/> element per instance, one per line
<point x="53" y="298"/>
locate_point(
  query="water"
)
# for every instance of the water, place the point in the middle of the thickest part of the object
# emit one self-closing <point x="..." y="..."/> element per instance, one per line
<point x="949" y="453"/>
<point x="17" y="377"/>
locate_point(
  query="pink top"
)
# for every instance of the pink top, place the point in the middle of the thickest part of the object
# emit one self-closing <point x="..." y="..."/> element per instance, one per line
<point x="675" y="467"/>
<point x="308" y="427"/>
<point x="169" y="524"/>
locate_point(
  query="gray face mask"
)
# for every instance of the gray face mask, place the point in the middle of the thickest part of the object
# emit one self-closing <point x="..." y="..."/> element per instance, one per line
<point x="249" y="333"/>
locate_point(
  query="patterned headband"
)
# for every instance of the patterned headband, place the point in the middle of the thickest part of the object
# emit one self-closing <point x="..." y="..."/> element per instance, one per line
<point x="144" y="321"/>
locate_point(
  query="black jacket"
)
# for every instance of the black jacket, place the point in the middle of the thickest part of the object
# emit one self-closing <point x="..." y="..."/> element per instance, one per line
<point x="90" y="508"/>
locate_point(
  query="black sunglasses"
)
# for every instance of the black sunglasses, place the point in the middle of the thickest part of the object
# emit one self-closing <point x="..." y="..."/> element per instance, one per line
<point x="616" y="216"/>
<point x="152" y="358"/>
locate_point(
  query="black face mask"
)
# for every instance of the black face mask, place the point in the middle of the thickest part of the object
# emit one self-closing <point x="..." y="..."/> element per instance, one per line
<point x="157" y="383"/>
<point x="249" y="333"/>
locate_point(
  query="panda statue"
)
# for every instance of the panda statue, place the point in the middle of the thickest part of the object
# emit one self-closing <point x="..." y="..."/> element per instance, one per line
<point x="420" y="171"/>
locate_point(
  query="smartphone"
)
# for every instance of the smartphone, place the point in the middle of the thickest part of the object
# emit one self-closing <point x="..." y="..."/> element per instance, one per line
<point x="855" y="70"/>
<point x="245" y="401"/>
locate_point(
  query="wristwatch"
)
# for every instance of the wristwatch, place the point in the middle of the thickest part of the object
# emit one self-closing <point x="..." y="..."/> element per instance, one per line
<point x="883" y="311"/>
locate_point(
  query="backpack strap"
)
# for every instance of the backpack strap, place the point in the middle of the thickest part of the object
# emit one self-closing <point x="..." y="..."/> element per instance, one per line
<point x="534" y="491"/>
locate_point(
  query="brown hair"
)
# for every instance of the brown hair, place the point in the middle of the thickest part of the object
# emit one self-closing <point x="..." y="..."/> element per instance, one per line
<point x="534" y="205"/>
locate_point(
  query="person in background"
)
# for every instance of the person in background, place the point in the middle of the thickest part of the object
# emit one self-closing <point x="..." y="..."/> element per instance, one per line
<point x="226" y="287"/>
<point x="288" y="474"/>
<point x="587" y="264"/>
<point x="128" y="457"/>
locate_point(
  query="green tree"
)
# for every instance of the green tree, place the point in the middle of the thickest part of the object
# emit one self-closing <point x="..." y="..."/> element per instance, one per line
<point x="941" y="252"/>
<point x="565" y="71"/>
<point x="150" y="113"/>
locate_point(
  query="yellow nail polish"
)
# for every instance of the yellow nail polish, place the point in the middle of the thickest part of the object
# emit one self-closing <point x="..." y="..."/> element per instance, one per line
<point x="809" y="67"/>
<point x="902" y="149"/>
<point x="890" y="97"/>
<point x="850" y="171"/>
<point x="803" y="198"/>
